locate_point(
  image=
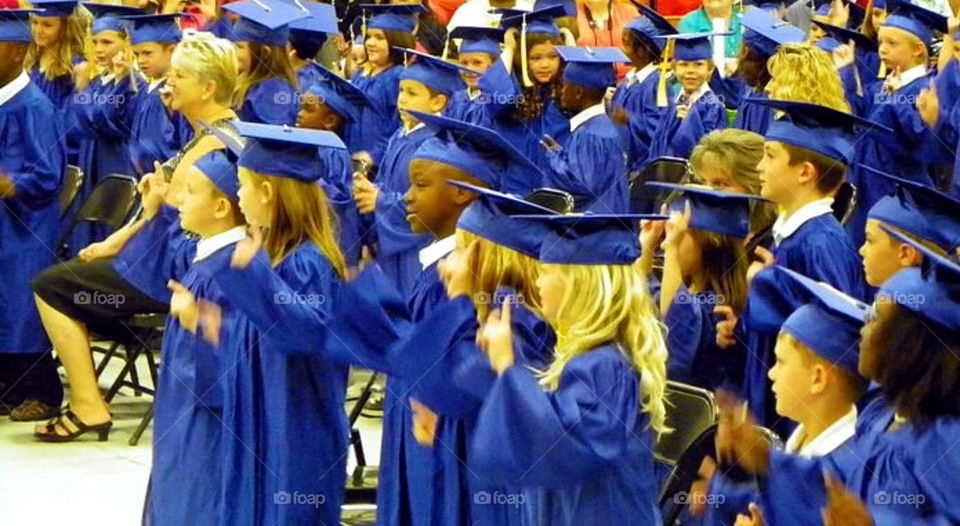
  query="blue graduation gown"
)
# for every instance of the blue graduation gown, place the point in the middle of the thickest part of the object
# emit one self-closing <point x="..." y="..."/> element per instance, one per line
<point x="592" y="167"/>
<point x="158" y="252"/>
<point x="948" y="89"/>
<point x="378" y="123"/>
<point x="185" y="477"/>
<point x="398" y="246"/>
<point x="60" y="91"/>
<point x="676" y="137"/>
<point x="526" y="135"/>
<point x="270" y="101"/>
<point x="337" y="182"/>
<point x="497" y="91"/>
<point x="34" y="158"/>
<point x="582" y="453"/>
<point x="821" y="250"/>
<point x="286" y="439"/>
<point x="753" y="117"/>
<point x="695" y="358"/>
<point x="155" y="133"/>
<point x="639" y="100"/>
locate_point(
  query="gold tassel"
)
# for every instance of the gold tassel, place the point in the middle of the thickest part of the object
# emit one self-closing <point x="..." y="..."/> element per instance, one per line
<point x="446" y="48"/>
<point x="363" y="25"/>
<point x="882" y="73"/>
<point x="664" y="69"/>
<point x="869" y="10"/>
<point x="527" y="82"/>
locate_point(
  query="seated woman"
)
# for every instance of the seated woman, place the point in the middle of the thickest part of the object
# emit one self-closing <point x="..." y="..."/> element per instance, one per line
<point x="127" y="273"/>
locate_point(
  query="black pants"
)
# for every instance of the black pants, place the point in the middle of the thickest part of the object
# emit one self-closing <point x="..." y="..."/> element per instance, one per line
<point x="29" y="376"/>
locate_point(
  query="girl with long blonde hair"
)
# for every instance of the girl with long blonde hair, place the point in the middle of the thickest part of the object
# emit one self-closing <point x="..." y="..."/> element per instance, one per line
<point x="58" y="47"/>
<point x="578" y="436"/>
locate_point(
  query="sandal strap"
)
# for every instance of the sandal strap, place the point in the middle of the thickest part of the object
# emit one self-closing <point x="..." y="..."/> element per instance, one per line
<point x="75" y="420"/>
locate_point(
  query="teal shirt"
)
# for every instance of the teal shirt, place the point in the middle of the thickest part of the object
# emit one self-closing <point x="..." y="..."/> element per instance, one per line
<point x="697" y="22"/>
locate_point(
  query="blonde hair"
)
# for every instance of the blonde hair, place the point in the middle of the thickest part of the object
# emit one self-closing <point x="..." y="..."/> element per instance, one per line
<point x="611" y="303"/>
<point x="738" y="152"/>
<point x="209" y="58"/>
<point x="301" y="212"/>
<point x="499" y="266"/>
<point x="266" y="62"/>
<point x="805" y="73"/>
<point x="73" y="43"/>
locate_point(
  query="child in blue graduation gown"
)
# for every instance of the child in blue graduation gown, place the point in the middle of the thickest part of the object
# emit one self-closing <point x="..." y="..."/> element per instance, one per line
<point x="267" y="91"/>
<point x="577" y="436"/>
<point x="307" y="37"/>
<point x="31" y="171"/>
<point x="591" y="161"/>
<point x="695" y="111"/>
<point x="939" y="110"/>
<point x="637" y="93"/>
<point x="426" y="86"/>
<point x="185" y="474"/>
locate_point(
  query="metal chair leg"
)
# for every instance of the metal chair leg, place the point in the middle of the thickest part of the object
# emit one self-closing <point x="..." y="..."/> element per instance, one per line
<point x="144" y="422"/>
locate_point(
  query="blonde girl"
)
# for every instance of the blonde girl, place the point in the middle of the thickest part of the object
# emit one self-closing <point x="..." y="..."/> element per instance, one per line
<point x="58" y="48"/>
<point x="805" y="73"/>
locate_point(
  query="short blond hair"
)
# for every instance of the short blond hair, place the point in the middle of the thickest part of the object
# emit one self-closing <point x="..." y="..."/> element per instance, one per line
<point x="210" y="58"/>
<point x="805" y="73"/>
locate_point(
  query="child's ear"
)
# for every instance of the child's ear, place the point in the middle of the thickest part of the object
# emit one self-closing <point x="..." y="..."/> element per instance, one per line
<point x="437" y="103"/>
<point x="462" y="197"/>
<point x="267" y="192"/>
<point x="330" y="121"/>
<point x="819" y="383"/>
<point x="223" y="208"/>
<point x="808" y="174"/>
<point x="908" y="256"/>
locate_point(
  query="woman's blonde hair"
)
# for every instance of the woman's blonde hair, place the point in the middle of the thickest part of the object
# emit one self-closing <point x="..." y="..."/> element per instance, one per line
<point x="806" y="73"/>
<point x="266" y="62"/>
<point x="738" y="152"/>
<point x="301" y="212"/>
<point x="209" y="58"/>
<point x="73" y="43"/>
<point x="498" y="266"/>
<point x="611" y="303"/>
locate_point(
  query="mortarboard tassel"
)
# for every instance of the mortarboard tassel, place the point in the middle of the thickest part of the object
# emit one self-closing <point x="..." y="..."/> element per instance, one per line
<point x="882" y="72"/>
<point x="664" y="68"/>
<point x="527" y="82"/>
<point x="446" y="48"/>
<point x="869" y="10"/>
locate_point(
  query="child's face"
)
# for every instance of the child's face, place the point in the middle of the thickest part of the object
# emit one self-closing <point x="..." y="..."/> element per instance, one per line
<point x="779" y="180"/>
<point x="377" y="47"/>
<point x="544" y="62"/>
<point x="254" y="199"/>
<point x="551" y="285"/>
<point x="153" y="58"/>
<point x="693" y="74"/>
<point x="199" y="204"/>
<point x="899" y="49"/>
<point x="106" y="45"/>
<point x="243" y="57"/>
<point x="46" y="30"/>
<point x="316" y="115"/>
<point x="791" y="377"/>
<point x="415" y="96"/>
<point x="880" y="253"/>
<point x="719" y="178"/>
<point x="478" y="62"/>
<point x="430" y="199"/>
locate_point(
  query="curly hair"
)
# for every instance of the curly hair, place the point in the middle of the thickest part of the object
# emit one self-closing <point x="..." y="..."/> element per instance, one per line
<point x="805" y="73"/>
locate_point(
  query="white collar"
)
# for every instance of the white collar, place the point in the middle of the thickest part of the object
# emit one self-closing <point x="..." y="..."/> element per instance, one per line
<point x="104" y="79"/>
<point x="636" y="76"/>
<point x="207" y="246"/>
<point x="826" y="442"/>
<point x="910" y="75"/>
<point x="785" y="226"/>
<point x="154" y="83"/>
<point x="13" y="87"/>
<point x="437" y="250"/>
<point x="411" y="130"/>
<point x="587" y="114"/>
<point x="701" y="91"/>
<point x="473" y="95"/>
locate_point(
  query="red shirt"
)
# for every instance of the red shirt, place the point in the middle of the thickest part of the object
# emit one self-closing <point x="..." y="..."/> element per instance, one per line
<point x="677" y="7"/>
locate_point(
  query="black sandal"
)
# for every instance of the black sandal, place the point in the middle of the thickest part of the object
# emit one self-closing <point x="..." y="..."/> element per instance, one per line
<point x="50" y="432"/>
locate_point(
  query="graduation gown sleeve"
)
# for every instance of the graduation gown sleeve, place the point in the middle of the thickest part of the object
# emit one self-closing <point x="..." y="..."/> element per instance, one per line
<point x="706" y="115"/>
<point x="592" y="167"/>
<point x="270" y="101"/>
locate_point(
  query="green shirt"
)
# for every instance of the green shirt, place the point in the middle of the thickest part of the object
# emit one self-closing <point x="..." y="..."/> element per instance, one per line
<point x="698" y="22"/>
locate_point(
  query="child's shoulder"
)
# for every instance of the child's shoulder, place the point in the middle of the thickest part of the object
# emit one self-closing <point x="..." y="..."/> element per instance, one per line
<point x="306" y="261"/>
<point x="606" y="363"/>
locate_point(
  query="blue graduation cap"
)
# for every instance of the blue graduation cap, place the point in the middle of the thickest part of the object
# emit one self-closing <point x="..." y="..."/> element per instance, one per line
<point x="478" y="151"/>
<point x="819" y="316"/>
<point x="392" y="17"/>
<point x="283" y="151"/>
<point x="155" y="28"/>
<point x="919" y="210"/>
<point x="591" y="67"/>
<point x="491" y="217"/>
<point x="339" y="94"/>
<point x="15" y="25"/>
<point x="479" y="39"/>
<point x="538" y="22"/>
<point x="569" y="6"/>
<point x="828" y="44"/>
<point x="264" y="21"/>
<point x="816" y="128"/>
<point x="845" y="35"/>
<point x="915" y="20"/>
<point x="433" y="72"/>
<point x="591" y="239"/>
<point x="931" y="291"/>
<point x="307" y="35"/>
<point x="651" y="25"/>
<point x="690" y="47"/>
<point x="61" y="8"/>
<point x="725" y="213"/>
<point x="110" y="17"/>
<point x="823" y="10"/>
<point x="232" y="141"/>
<point x="222" y="172"/>
<point x="765" y="32"/>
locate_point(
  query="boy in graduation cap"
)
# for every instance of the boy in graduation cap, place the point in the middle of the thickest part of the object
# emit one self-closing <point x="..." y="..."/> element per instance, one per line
<point x="31" y="172"/>
<point x="866" y="65"/>
<point x="591" y="162"/>
<point x="426" y="85"/>
<point x="307" y="36"/>
<point x="636" y="96"/>
<point x="155" y="134"/>
<point x="695" y="111"/>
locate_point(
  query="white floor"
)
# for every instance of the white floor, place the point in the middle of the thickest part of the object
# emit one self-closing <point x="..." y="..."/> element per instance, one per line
<point x="89" y="482"/>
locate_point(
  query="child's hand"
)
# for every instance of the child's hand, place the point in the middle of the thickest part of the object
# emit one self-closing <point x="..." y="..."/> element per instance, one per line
<point x="496" y="338"/>
<point x="424" y="423"/>
<point x="456" y="270"/>
<point x="843" y="56"/>
<point x="7" y="188"/>
<point x="738" y="439"/>
<point x="755" y="518"/>
<point x="651" y="235"/>
<point x="676" y="227"/>
<point x="764" y="259"/>
<point x="183" y="306"/>
<point x="153" y="189"/>
<point x="81" y="75"/>
<point x="699" y="488"/>
<point x="210" y="319"/>
<point x="247" y="249"/>
<point x="365" y="194"/>
<point x="98" y="250"/>
<point x="928" y="104"/>
<point x="510" y="39"/>
<point x="682" y="111"/>
<point x="121" y="63"/>
<point x="726" y="329"/>
<point x="843" y="507"/>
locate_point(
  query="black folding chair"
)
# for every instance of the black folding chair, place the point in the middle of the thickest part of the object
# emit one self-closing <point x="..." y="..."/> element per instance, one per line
<point x="72" y="181"/>
<point x="643" y="199"/>
<point x="110" y="203"/>
<point x="360" y="498"/>
<point x="556" y="200"/>
<point x="845" y="202"/>
<point x="690" y="411"/>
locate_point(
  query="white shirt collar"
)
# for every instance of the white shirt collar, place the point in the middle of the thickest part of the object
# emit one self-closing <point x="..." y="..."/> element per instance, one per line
<point x="701" y="91"/>
<point x="154" y="83"/>
<point x="587" y="114"/>
<point x="785" y="226"/>
<point x="826" y="442"/>
<point x="415" y="128"/>
<point x="635" y="76"/>
<point x="206" y="247"/>
<point x="13" y="87"/>
<point x="911" y="75"/>
<point x="437" y="251"/>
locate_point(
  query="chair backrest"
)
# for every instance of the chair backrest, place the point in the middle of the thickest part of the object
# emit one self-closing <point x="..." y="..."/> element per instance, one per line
<point x="110" y="202"/>
<point x="72" y="181"/>
<point x="844" y="202"/>
<point x="556" y="200"/>
<point x="662" y="170"/>
<point x="690" y="411"/>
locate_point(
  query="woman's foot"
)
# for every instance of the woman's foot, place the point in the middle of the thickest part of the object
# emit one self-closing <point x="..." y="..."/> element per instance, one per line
<point x="69" y="427"/>
<point x="88" y="416"/>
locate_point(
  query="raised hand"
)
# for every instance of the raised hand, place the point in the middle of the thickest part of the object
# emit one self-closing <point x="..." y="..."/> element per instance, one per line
<point x="726" y="327"/>
<point x="247" y="249"/>
<point x="739" y="441"/>
<point x="496" y="338"/>
<point x="843" y="507"/>
<point x="456" y="270"/>
<point x="424" y="423"/>
<point x="183" y="306"/>
<point x="928" y="104"/>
